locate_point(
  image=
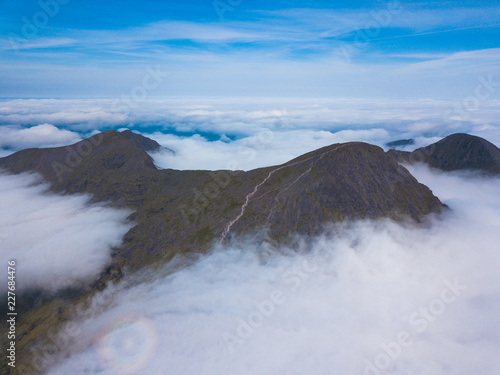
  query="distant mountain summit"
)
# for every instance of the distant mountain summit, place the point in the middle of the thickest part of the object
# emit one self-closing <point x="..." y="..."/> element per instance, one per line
<point x="146" y="144"/>
<point x="400" y="143"/>
<point x="455" y="152"/>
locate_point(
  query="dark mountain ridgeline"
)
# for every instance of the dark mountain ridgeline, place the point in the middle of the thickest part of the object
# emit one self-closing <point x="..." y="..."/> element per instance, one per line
<point x="179" y="211"/>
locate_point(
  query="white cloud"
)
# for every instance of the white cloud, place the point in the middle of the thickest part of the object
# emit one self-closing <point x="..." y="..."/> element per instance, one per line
<point x="337" y="303"/>
<point x="267" y="131"/>
<point x="44" y="135"/>
<point x="76" y="115"/>
<point x="57" y="241"/>
<point x="262" y="149"/>
<point x="289" y="25"/>
<point x="250" y="115"/>
<point x="22" y="44"/>
<point x="292" y="52"/>
<point x="407" y="16"/>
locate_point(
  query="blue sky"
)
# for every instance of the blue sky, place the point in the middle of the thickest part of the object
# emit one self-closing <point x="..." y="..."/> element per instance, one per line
<point x="95" y="49"/>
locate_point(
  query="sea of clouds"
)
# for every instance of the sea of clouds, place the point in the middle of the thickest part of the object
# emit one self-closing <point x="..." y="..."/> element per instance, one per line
<point x="243" y="133"/>
<point x="56" y="241"/>
<point x="380" y="298"/>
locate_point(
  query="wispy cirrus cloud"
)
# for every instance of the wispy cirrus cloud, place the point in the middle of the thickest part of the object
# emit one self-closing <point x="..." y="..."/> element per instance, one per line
<point x="34" y="44"/>
<point x="288" y="25"/>
<point x="275" y="51"/>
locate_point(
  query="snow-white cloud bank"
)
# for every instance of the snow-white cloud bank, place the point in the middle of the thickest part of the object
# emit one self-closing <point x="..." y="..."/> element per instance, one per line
<point x="265" y="148"/>
<point x="56" y="241"/>
<point x="247" y="133"/>
<point x="379" y="298"/>
<point x="43" y="135"/>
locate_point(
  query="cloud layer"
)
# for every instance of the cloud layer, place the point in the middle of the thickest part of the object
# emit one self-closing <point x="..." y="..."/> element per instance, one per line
<point x="43" y="135"/>
<point x="378" y="298"/>
<point x="245" y="134"/>
<point x="56" y="241"/>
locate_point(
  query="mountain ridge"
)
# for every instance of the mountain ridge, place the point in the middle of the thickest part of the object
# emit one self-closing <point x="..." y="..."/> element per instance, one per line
<point x="190" y="209"/>
<point x="177" y="213"/>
